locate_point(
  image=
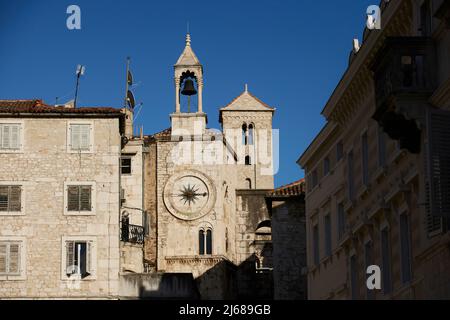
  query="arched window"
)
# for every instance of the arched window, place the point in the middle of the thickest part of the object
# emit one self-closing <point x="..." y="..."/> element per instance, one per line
<point x="250" y="134"/>
<point x="244" y="134"/>
<point x="205" y="242"/>
<point x="248" y="161"/>
<point x="201" y="242"/>
<point x="249" y="183"/>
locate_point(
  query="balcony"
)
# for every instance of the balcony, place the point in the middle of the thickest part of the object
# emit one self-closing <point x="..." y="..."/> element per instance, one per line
<point x="132" y="233"/>
<point x="405" y="77"/>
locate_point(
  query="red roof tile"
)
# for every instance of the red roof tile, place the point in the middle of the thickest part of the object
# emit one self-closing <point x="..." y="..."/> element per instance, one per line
<point x="38" y="106"/>
<point x="293" y="189"/>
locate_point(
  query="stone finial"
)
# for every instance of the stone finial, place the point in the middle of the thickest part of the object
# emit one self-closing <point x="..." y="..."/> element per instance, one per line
<point x="188" y="40"/>
<point x="246" y="88"/>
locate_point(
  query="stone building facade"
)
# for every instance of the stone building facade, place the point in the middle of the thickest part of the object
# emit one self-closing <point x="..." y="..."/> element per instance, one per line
<point x="59" y="191"/>
<point x="288" y="228"/>
<point x="377" y="186"/>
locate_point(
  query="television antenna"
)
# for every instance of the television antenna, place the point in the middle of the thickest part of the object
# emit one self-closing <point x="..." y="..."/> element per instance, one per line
<point x="80" y="72"/>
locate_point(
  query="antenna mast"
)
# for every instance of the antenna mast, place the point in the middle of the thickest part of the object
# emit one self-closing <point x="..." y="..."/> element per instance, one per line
<point x="79" y="73"/>
<point x="127" y="82"/>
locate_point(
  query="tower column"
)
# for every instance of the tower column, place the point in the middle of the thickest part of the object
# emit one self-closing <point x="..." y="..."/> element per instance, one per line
<point x="177" y="94"/>
<point x="200" y="94"/>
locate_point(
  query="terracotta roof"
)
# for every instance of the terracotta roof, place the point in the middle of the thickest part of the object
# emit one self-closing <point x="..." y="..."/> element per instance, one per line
<point x="38" y="106"/>
<point x="164" y="133"/>
<point x="293" y="189"/>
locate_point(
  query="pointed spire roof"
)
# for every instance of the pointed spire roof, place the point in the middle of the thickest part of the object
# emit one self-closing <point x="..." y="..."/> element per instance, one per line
<point x="188" y="57"/>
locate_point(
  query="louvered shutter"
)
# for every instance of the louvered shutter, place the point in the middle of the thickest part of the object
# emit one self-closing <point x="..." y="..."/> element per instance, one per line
<point x="3" y="248"/>
<point x="438" y="162"/>
<point x="14" y="258"/>
<point x="89" y="257"/>
<point x="70" y="255"/>
<point x="4" y="198"/>
<point x="85" y="198"/>
<point x="85" y="136"/>
<point x="15" y="140"/>
<point x="73" y="196"/>
<point x="6" y="136"/>
<point x="15" y="198"/>
<point x="75" y="136"/>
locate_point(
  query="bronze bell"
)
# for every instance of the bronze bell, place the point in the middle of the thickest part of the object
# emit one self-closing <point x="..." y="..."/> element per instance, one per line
<point x="189" y="89"/>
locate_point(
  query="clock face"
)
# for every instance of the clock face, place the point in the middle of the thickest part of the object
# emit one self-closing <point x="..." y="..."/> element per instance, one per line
<point x="189" y="195"/>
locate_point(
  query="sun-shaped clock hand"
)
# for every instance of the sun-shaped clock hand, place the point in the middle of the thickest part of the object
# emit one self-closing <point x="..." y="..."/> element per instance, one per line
<point x="189" y="194"/>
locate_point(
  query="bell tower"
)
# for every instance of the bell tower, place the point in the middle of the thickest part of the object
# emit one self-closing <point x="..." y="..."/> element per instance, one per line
<point x="188" y="84"/>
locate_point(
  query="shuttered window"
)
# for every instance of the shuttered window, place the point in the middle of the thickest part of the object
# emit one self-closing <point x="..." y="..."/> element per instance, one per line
<point x="10" y="258"/>
<point x="438" y="162"/>
<point x="10" y="136"/>
<point x="78" y="258"/>
<point x="341" y="220"/>
<point x="351" y="187"/>
<point x="327" y="227"/>
<point x="79" y="198"/>
<point x="10" y="198"/>
<point x="316" y="253"/>
<point x="80" y="137"/>
<point x="405" y="244"/>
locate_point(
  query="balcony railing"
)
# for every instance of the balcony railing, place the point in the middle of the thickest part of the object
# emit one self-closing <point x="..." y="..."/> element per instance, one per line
<point x="132" y="233"/>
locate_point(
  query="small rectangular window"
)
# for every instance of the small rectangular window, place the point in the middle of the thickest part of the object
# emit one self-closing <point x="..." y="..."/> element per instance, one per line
<point x="80" y="137"/>
<point x="10" y="258"/>
<point x="126" y="165"/>
<point x="386" y="261"/>
<point x="339" y="151"/>
<point x="354" y="277"/>
<point x="327" y="226"/>
<point x="365" y="159"/>
<point x="405" y="246"/>
<point x="10" y="136"/>
<point x="79" y="198"/>
<point x="316" y="245"/>
<point x="10" y="198"/>
<point x="341" y="220"/>
<point x="326" y="166"/>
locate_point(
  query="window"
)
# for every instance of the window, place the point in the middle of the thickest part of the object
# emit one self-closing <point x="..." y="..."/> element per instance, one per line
<point x="244" y="134"/>
<point x="368" y="255"/>
<point x="125" y="165"/>
<point x="315" y="179"/>
<point x="80" y="198"/>
<point x="79" y="258"/>
<point x="205" y="242"/>
<point x="10" y="138"/>
<point x="341" y="220"/>
<point x="405" y="248"/>
<point x="381" y="147"/>
<point x="80" y="136"/>
<point x="326" y="166"/>
<point x="425" y="18"/>
<point x="327" y="227"/>
<point x="248" y="160"/>
<point x="386" y="260"/>
<point x="339" y="151"/>
<point x="316" y="245"/>
<point x="248" y="183"/>
<point x="365" y="159"/>
<point x="354" y="277"/>
<point x="351" y="187"/>
<point x="10" y="258"/>
<point x="10" y="198"/>
<point x="250" y="134"/>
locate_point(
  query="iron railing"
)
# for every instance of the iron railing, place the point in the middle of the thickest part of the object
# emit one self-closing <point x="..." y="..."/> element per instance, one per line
<point x="132" y="233"/>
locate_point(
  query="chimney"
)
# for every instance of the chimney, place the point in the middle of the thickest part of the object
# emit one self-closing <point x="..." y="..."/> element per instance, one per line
<point x="128" y="122"/>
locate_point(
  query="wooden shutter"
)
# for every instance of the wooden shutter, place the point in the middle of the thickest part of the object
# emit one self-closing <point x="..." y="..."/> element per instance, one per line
<point x="3" y="248"/>
<point x="14" y="258"/>
<point x="15" y="139"/>
<point x="438" y="162"/>
<point x="6" y="137"/>
<point x="70" y="255"/>
<point x="4" y="196"/>
<point x="73" y="196"/>
<point x="75" y="136"/>
<point x="89" y="257"/>
<point x="15" y="198"/>
<point x="85" y="133"/>
<point x="85" y="198"/>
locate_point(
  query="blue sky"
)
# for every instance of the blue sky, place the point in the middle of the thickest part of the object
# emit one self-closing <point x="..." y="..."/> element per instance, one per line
<point x="291" y="53"/>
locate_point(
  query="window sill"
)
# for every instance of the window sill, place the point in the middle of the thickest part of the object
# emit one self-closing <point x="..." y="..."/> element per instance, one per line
<point x="79" y="213"/>
<point x="13" y="277"/>
<point x="80" y="151"/>
<point x="12" y="213"/>
<point x="11" y="151"/>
